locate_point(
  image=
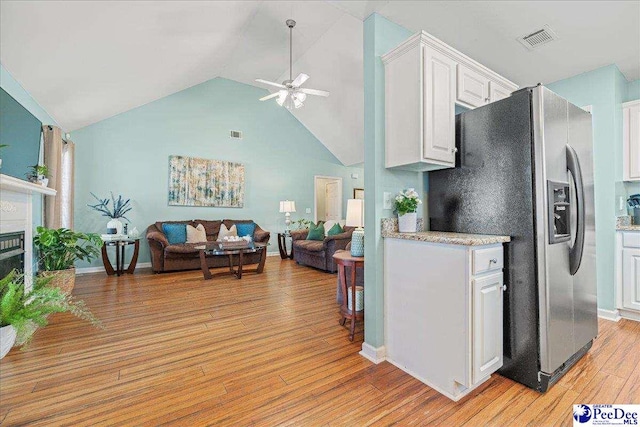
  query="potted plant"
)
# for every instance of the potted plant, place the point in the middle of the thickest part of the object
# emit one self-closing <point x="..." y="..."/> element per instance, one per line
<point x="60" y="249"/>
<point x="406" y="206"/>
<point x="118" y="210"/>
<point x="22" y="311"/>
<point x="39" y="174"/>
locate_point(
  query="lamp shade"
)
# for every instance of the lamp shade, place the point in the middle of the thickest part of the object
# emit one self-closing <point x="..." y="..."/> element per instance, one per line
<point x="287" y="206"/>
<point x="355" y="213"/>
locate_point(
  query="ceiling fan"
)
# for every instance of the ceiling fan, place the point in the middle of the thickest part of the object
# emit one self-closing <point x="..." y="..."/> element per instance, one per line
<point x="291" y="95"/>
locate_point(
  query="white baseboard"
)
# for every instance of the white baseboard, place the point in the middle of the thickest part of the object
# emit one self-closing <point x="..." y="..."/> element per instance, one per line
<point x="609" y="314"/>
<point x="629" y="314"/>
<point x="273" y="253"/>
<point x="374" y="354"/>
<point x="91" y="270"/>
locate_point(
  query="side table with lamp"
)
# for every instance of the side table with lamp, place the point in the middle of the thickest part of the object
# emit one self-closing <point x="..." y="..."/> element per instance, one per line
<point x="286" y="207"/>
<point x="355" y="218"/>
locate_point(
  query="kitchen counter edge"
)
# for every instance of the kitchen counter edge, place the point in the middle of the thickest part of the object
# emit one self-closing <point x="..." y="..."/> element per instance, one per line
<point x="449" y="238"/>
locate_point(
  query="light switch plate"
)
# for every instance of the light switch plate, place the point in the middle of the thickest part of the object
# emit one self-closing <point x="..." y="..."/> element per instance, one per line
<point x="355" y="176"/>
<point x="307" y="210"/>
<point x="622" y="203"/>
<point x="387" y="200"/>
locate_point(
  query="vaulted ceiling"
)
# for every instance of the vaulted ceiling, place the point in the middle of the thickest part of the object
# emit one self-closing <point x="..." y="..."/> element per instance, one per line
<point x="86" y="61"/>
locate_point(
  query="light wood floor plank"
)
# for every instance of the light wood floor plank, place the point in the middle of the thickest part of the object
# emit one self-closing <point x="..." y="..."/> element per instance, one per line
<point x="262" y="351"/>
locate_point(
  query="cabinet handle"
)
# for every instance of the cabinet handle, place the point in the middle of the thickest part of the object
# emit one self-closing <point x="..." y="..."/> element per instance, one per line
<point x="493" y="261"/>
<point x="454" y="150"/>
<point x="504" y="287"/>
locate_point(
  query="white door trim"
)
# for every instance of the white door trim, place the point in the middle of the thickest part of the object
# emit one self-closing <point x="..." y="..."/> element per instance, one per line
<point x="315" y="194"/>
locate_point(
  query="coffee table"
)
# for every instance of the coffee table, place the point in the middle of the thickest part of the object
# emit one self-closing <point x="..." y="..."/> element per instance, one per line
<point x="219" y="249"/>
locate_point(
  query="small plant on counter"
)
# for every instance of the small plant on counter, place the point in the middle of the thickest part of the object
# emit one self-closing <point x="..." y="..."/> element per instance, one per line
<point x="118" y="209"/>
<point x="407" y="202"/>
<point x="27" y="310"/>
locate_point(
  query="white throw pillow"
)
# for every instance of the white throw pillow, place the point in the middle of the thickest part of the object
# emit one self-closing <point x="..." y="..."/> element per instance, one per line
<point x="328" y="225"/>
<point x="224" y="231"/>
<point x="196" y="234"/>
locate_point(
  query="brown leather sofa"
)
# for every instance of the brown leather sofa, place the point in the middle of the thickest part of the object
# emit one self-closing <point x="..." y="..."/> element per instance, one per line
<point x="319" y="253"/>
<point x="166" y="257"/>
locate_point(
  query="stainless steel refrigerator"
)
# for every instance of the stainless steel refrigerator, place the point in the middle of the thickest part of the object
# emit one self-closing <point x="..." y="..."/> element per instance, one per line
<point x="524" y="168"/>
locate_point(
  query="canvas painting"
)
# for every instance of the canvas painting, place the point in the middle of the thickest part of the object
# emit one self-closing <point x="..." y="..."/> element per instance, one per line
<point x="204" y="182"/>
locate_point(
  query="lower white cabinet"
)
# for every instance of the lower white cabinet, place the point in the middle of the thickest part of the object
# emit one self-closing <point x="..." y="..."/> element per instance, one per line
<point x="443" y="322"/>
<point x="628" y="289"/>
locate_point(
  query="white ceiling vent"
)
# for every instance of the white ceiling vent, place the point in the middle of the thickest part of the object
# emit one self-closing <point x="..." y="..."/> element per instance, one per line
<point x="235" y="134"/>
<point x="538" y="38"/>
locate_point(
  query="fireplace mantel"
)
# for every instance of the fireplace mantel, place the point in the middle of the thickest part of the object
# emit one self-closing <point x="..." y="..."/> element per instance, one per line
<point x="9" y="183"/>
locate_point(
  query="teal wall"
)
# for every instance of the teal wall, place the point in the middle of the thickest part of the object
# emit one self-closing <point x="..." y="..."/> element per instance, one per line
<point x="129" y="155"/>
<point x="13" y="88"/>
<point x="380" y="36"/>
<point x="633" y="91"/>
<point x="604" y="89"/>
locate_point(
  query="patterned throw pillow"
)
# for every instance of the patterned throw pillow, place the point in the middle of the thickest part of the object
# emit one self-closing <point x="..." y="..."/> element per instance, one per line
<point x="316" y="232"/>
<point x="176" y="233"/>
<point x="224" y="231"/>
<point x="246" y="229"/>
<point x="196" y="234"/>
<point x="336" y="229"/>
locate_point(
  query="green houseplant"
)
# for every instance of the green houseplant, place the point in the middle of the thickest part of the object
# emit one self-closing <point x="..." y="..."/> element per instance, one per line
<point x="59" y="249"/>
<point x="39" y="173"/>
<point x="119" y="208"/>
<point x="22" y="311"/>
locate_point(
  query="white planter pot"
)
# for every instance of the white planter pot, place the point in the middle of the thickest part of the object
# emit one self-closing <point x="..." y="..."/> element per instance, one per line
<point x="44" y="181"/>
<point x="7" y="339"/>
<point x="408" y="223"/>
<point x="116" y="224"/>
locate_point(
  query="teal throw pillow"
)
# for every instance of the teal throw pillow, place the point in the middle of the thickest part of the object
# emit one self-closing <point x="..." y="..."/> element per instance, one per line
<point x="176" y="233"/>
<point x="316" y="232"/>
<point x="246" y="229"/>
<point x="336" y="229"/>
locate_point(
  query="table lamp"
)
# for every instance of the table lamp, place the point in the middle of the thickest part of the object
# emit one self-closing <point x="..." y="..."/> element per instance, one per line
<point x="355" y="218"/>
<point x="286" y="207"/>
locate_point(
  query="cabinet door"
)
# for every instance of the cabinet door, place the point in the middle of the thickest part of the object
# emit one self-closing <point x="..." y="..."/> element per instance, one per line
<point x="487" y="326"/>
<point x="631" y="125"/>
<point x="498" y="92"/>
<point x="439" y="107"/>
<point x="631" y="278"/>
<point x="472" y="87"/>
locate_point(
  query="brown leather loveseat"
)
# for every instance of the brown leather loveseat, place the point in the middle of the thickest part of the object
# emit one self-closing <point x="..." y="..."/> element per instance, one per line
<point x="166" y="257"/>
<point x="319" y="253"/>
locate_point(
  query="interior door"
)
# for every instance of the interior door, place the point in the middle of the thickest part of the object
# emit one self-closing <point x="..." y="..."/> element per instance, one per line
<point x="332" y="203"/>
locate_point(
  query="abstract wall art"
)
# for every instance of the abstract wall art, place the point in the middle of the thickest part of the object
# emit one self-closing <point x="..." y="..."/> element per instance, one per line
<point x="204" y="182"/>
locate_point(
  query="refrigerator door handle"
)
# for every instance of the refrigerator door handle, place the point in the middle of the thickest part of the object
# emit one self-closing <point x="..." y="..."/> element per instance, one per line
<point x="575" y="254"/>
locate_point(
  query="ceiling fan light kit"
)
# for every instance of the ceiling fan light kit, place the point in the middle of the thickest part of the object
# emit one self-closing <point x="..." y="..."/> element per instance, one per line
<point x="291" y="95"/>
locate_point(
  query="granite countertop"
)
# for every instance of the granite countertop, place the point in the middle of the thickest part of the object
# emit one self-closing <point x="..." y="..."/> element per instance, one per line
<point x="623" y="223"/>
<point x="390" y="230"/>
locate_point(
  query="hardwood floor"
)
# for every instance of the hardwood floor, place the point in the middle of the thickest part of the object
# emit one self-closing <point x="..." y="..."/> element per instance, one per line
<point x="265" y="350"/>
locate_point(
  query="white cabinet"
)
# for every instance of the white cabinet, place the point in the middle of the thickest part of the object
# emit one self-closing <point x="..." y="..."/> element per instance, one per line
<point x="628" y="281"/>
<point x="473" y="87"/>
<point x="424" y="80"/>
<point x="443" y="322"/>
<point x="487" y="325"/>
<point x="631" y="140"/>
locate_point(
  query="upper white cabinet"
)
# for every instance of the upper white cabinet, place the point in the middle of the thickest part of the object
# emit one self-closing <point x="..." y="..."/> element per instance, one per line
<point x="424" y="80"/>
<point x="631" y="140"/>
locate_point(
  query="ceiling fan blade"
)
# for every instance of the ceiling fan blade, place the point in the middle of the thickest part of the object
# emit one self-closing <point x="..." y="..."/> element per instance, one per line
<point x="273" y="95"/>
<point x="314" y="92"/>
<point x="267" y="82"/>
<point x="302" y="77"/>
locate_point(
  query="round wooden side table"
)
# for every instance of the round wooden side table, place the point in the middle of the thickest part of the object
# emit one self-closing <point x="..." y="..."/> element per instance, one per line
<point x="120" y="244"/>
<point x="282" y="245"/>
<point x="344" y="259"/>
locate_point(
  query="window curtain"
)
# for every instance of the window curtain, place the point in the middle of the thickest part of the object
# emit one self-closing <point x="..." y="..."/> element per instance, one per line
<point x="59" y="158"/>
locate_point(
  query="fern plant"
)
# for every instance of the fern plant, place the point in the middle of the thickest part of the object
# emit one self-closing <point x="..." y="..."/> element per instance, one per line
<point x="26" y="310"/>
<point x="118" y="210"/>
<point x="61" y="248"/>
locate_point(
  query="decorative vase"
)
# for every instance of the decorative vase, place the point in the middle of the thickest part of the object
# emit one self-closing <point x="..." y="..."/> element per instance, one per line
<point x="114" y="226"/>
<point x="408" y="223"/>
<point x="357" y="242"/>
<point x="7" y="339"/>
